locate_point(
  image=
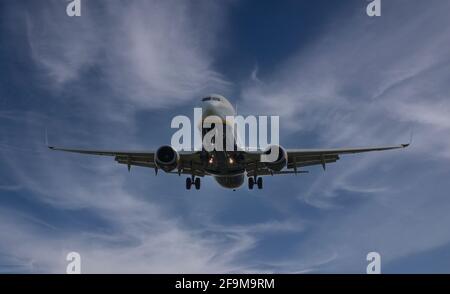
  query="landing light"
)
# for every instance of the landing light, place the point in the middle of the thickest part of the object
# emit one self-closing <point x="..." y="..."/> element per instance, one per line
<point x="230" y="160"/>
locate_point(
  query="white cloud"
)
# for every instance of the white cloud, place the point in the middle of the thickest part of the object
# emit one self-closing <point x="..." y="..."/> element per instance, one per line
<point x="149" y="54"/>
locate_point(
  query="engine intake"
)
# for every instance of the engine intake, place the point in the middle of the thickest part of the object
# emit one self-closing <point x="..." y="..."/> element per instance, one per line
<point x="167" y="158"/>
<point x="280" y="162"/>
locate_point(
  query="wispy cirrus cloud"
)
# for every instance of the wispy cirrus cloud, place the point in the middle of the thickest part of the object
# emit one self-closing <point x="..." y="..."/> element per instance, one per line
<point x="369" y="82"/>
<point x="148" y="54"/>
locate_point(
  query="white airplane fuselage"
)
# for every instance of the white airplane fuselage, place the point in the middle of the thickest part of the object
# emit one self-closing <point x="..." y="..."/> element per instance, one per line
<point x="223" y="166"/>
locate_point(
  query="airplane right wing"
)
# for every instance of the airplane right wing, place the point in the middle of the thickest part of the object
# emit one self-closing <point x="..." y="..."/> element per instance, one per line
<point x="299" y="158"/>
<point x="307" y="157"/>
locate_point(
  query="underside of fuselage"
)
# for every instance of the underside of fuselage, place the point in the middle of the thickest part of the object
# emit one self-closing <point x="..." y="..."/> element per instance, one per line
<point x="230" y="182"/>
<point x="228" y="175"/>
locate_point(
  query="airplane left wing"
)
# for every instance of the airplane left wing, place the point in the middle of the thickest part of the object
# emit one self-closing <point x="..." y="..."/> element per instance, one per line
<point x="137" y="158"/>
<point x="189" y="161"/>
<point x="104" y="152"/>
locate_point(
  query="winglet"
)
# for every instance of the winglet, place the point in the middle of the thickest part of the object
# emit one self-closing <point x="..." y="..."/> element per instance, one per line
<point x="46" y="137"/>
<point x="46" y="140"/>
<point x="410" y="140"/>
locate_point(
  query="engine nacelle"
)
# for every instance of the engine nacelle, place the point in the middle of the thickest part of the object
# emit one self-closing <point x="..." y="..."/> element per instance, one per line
<point x="280" y="162"/>
<point x="167" y="158"/>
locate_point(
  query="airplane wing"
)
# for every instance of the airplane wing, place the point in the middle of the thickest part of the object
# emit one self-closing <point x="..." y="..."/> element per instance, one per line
<point x="298" y="158"/>
<point x="192" y="164"/>
<point x="103" y="152"/>
<point x="137" y="158"/>
<point x="189" y="160"/>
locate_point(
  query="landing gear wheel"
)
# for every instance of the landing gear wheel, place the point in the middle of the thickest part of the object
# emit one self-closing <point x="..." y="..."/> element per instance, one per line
<point x="197" y="183"/>
<point x="188" y="183"/>
<point x="260" y="183"/>
<point x="251" y="182"/>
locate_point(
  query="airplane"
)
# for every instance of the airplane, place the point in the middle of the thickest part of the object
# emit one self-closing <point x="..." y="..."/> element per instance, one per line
<point x="228" y="168"/>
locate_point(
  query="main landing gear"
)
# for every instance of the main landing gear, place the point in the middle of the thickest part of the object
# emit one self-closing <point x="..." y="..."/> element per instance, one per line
<point x="193" y="181"/>
<point x="255" y="180"/>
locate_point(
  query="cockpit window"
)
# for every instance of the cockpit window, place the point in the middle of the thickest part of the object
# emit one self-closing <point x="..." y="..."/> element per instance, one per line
<point x="211" y="98"/>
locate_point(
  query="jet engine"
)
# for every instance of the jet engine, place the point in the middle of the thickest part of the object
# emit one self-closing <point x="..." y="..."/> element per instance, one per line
<point x="281" y="160"/>
<point x="167" y="158"/>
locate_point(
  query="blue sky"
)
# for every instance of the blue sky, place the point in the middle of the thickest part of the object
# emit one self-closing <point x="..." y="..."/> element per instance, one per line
<point x="114" y="78"/>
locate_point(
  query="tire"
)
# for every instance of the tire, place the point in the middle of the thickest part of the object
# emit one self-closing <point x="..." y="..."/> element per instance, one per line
<point x="188" y="183"/>
<point x="251" y="182"/>
<point x="197" y="183"/>
<point x="260" y="183"/>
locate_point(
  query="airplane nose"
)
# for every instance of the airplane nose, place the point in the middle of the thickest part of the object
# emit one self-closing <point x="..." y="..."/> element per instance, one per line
<point x="209" y="108"/>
